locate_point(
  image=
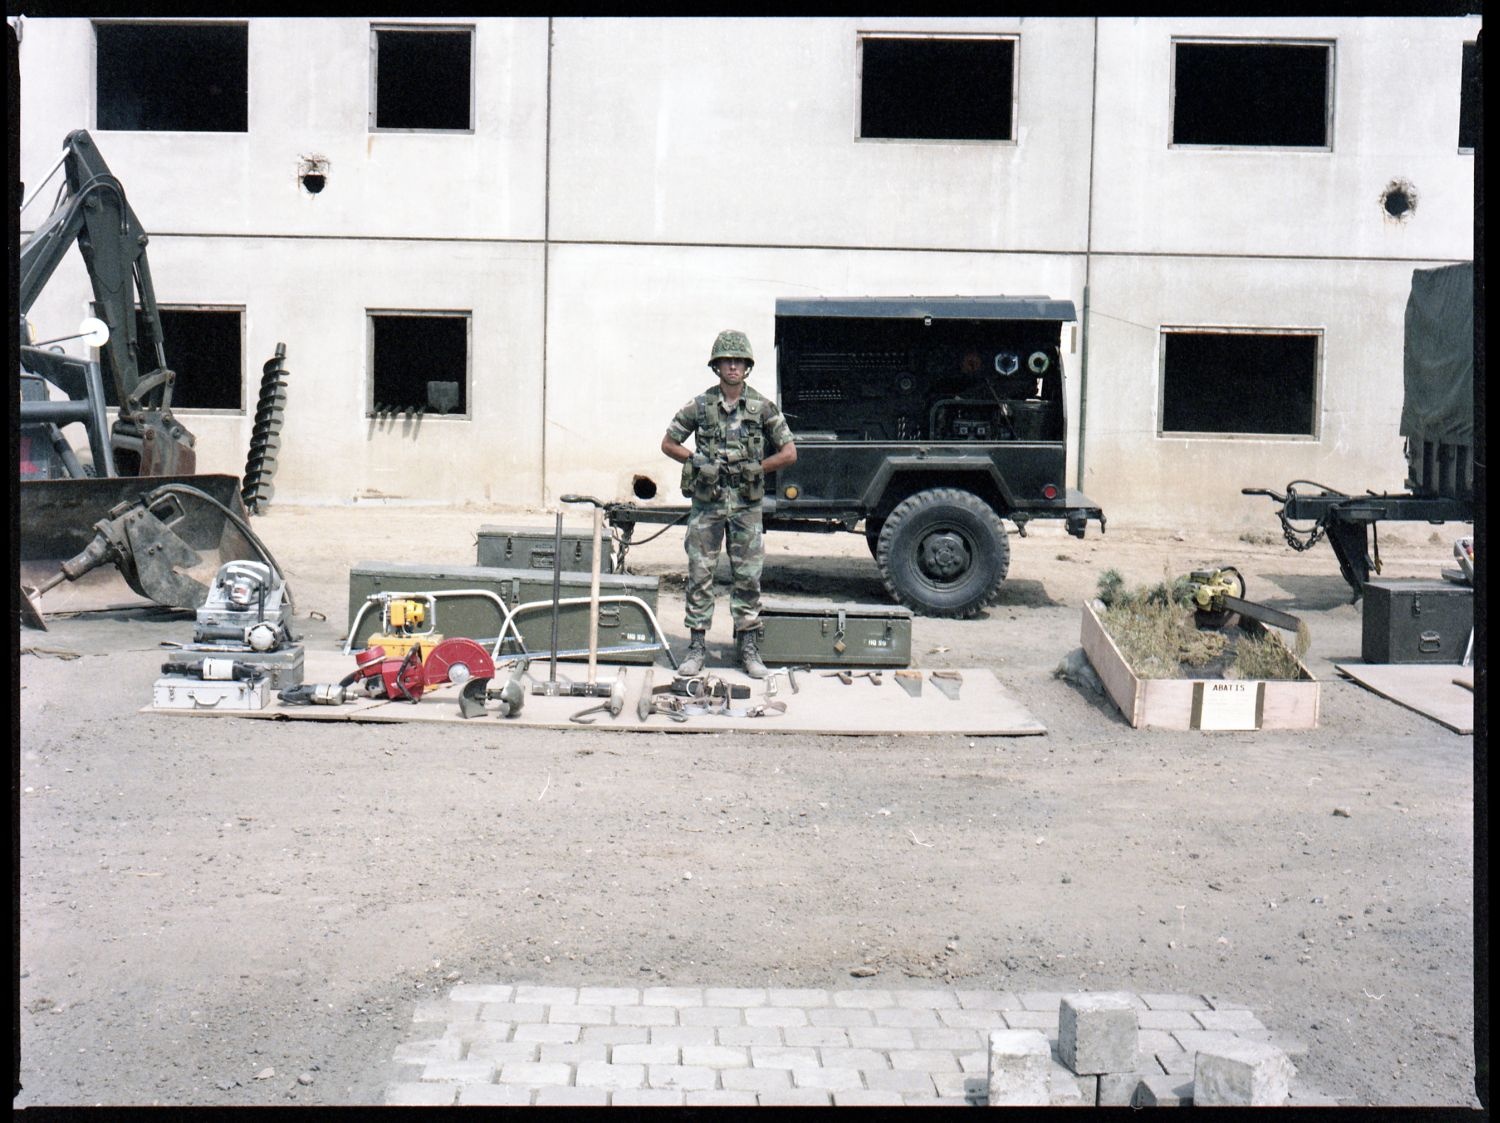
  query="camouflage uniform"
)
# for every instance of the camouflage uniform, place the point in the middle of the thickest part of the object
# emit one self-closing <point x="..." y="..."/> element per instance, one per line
<point x="726" y="498"/>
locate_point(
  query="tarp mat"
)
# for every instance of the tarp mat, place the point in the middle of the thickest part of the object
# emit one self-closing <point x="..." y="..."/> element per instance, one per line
<point x="1432" y="689"/>
<point x="822" y="704"/>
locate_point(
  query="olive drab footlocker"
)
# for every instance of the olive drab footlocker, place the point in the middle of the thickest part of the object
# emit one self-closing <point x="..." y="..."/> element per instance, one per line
<point x="830" y="633"/>
<point x="530" y="547"/>
<point x="626" y="634"/>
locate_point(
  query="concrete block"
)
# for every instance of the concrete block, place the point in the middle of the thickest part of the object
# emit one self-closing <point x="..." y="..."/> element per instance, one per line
<point x="881" y="1037"/>
<point x="683" y="1035"/>
<point x="978" y="1061"/>
<point x="526" y="1072"/>
<point x="1163" y="1091"/>
<point x="925" y="1060"/>
<point x="1246" y="1073"/>
<point x="833" y="1079"/>
<point x="1067" y="1084"/>
<point x="748" y="1035"/>
<point x="1096" y="1033"/>
<point x="908" y="1082"/>
<point x="512" y="1012"/>
<point x="715" y="1056"/>
<point x="1166" y="1019"/>
<point x="442" y="1010"/>
<point x="783" y="1057"/>
<point x="1155" y="1040"/>
<point x="1195" y="1039"/>
<point x="460" y="1072"/>
<point x="863" y="999"/>
<point x="829" y="1036"/>
<point x="1175" y="1001"/>
<point x="645" y="1016"/>
<point x="1175" y="1062"/>
<point x="1019" y="1065"/>
<point x="503" y="1051"/>
<point x="494" y="1095"/>
<point x="1117" y="1089"/>
<point x="547" y="1032"/>
<point x="833" y="1016"/>
<point x="719" y="1097"/>
<point x="738" y="996"/>
<point x="609" y="996"/>
<point x="867" y="1097"/>
<point x="775" y="1016"/>
<point x="681" y="1076"/>
<point x="711" y="1016"/>
<point x="673" y="996"/>
<point x="926" y="999"/>
<point x="481" y="992"/>
<point x="556" y="1096"/>
<point x="646" y="1097"/>
<point x="652" y="1054"/>
<point x="580" y="1015"/>
<point x="547" y="996"/>
<point x="909" y="1017"/>
<point x="756" y="1079"/>
<point x="987" y="1000"/>
<point x="571" y="1054"/>
<point x="615" y="1035"/>
<point x="795" y="1097"/>
<point x="618" y="1074"/>
<point x="420" y="1095"/>
<point x="798" y="996"/>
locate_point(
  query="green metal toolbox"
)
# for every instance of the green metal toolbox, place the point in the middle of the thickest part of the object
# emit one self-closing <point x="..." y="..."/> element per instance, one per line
<point x="530" y="547"/>
<point x="833" y="633"/>
<point x="1416" y="621"/>
<point x="621" y="624"/>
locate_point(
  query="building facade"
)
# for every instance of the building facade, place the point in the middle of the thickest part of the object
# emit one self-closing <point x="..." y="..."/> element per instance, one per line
<point x="499" y="249"/>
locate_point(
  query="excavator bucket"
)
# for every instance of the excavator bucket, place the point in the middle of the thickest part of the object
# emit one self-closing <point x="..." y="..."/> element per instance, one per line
<point x="92" y="544"/>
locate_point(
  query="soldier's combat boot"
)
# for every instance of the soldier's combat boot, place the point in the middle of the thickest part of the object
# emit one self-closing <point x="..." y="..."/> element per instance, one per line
<point x="697" y="655"/>
<point x="750" y="655"/>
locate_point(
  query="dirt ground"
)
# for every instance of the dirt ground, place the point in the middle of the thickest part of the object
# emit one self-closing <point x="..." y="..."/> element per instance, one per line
<point x="216" y="911"/>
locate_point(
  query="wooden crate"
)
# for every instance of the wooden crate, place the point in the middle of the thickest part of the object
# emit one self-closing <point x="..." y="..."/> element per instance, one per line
<point x="1183" y="703"/>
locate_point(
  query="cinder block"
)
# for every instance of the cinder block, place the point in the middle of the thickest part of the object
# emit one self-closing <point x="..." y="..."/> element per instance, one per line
<point x="1167" y="1019"/>
<point x="1020" y="1064"/>
<point x="1096" y="1033"/>
<point x="855" y="1058"/>
<point x="421" y="1095"/>
<point x="1175" y="1062"/>
<point x="442" y="1010"/>
<point x="571" y="1054"/>
<point x="645" y="1015"/>
<point x="944" y="1037"/>
<point x="783" y="1057"/>
<point x="1042" y="1020"/>
<point x="1246" y="1073"/>
<point x="597" y="1074"/>
<point x="571" y="1097"/>
<point x="987" y="1000"/>
<point x="909" y="1082"/>
<point x="580" y="1015"/>
<point x="1163" y="1091"/>
<point x="512" y="1012"/>
<point x="1041" y="1000"/>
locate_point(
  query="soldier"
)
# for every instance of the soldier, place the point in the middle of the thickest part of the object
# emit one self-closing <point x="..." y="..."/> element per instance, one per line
<point x="739" y="436"/>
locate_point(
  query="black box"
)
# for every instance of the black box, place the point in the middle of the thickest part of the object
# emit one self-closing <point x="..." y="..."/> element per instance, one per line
<point x="1416" y="621"/>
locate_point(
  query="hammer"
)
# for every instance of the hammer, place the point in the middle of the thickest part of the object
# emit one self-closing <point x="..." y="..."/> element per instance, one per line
<point x="613" y="706"/>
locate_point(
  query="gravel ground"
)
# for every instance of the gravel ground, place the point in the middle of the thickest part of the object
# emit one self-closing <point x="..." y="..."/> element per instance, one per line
<point x="247" y="913"/>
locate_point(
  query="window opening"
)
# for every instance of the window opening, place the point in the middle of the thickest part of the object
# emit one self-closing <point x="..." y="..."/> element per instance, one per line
<point x="419" y="363"/>
<point x="1273" y="95"/>
<point x="422" y="78"/>
<point x="204" y="348"/>
<point x="1240" y="382"/>
<point x="1469" y="116"/>
<point x="932" y="88"/>
<point x="172" y="76"/>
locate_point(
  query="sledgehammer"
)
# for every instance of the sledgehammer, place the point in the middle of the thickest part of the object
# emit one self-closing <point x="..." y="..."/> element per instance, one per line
<point x="593" y="689"/>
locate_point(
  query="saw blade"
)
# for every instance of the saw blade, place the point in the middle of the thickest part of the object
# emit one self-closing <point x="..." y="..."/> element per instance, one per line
<point x="1262" y="613"/>
<point x="911" y="682"/>
<point x="948" y="682"/>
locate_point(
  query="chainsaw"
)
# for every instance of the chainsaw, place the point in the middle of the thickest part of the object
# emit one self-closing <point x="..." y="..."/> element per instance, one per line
<point x="1219" y="594"/>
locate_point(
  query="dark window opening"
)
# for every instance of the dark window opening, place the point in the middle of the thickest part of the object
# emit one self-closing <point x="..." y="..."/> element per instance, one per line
<point x="1251" y="94"/>
<point x="179" y="77"/>
<point x="1239" y="382"/>
<point x="204" y="348"/>
<point x="1469" y="116"/>
<point x="422" y="79"/>
<point x="937" y="89"/>
<point x="419" y="364"/>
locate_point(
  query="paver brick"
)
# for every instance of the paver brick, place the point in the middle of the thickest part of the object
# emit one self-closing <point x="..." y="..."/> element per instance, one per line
<point x="527" y="1072"/>
<point x="420" y="1095"/>
<point x="1194" y="1040"/>
<point x="756" y="1079"/>
<point x="1117" y="1089"/>
<point x="1217" y="1003"/>
<point x="987" y="1000"/>
<point x="980" y="1019"/>
<point x="547" y="996"/>
<point x="1175" y="1062"/>
<point x="473" y="1071"/>
<point x="512" y="1012"/>
<point x="798" y="996"/>
<point x="646" y="1097"/>
<point x="833" y="1079"/>
<point x="834" y="1016"/>
<point x="442" y="1010"/>
<point x="645" y="1016"/>
<point x="1041" y="1000"/>
<point x="909" y="1017"/>
<point x="715" y="1056"/>
<point x="1163" y="1091"/>
<point x="683" y="1035"/>
<point x="581" y="1015"/>
<point x="1247" y="1073"/>
<point x="609" y="996"/>
<point x="1097" y="1033"/>
<point x="548" y="1032"/>
<point x="863" y="999"/>
<point x="951" y="1083"/>
<point x="619" y="1074"/>
<point x="656" y="1053"/>
<point x="615" y="1035"/>
<point x="783" y="1057"/>
<point x="795" y="1097"/>
<point x="775" y="1016"/>
<point x="938" y="1101"/>
<point x="481" y="992"/>
<point x="815" y="1035"/>
<point x="495" y="1095"/>
<point x="1235" y="1021"/>
<point x="978" y="1061"/>
<point x="1031" y="1019"/>
<point x="673" y="996"/>
<point x="720" y="1097"/>
<point x="906" y="1081"/>
<point x="929" y="998"/>
<point x="571" y="1097"/>
<point x="749" y="1035"/>
<point x="1166" y="1019"/>
<point x="572" y="1054"/>
<point x="735" y="996"/>
<point x="854" y="1058"/>
<point x="433" y="1049"/>
<point x="881" y="1037"/>
<point x="1155" y="1040"/>
<point x="468" y="1032"/>
<point x="867" y="1097"/>
<point x="502" y="1051"/>
<point x="711" y="1016"/>
<point x="945" y="1037"/>
<point x="681" y="1076"/>
<point x="926" y="1060"/>
<point x="1020" y="1064"/>
<point x="1174" y="1001"/>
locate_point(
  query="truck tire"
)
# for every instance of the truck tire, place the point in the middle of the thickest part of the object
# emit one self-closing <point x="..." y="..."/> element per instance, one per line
<point x="943" y="552"/>
<point x="873" y="527"/>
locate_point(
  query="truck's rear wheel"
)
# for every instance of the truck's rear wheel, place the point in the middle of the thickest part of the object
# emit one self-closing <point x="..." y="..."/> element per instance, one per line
<point x="943" y="552"/>
<point x="873" y="527"/>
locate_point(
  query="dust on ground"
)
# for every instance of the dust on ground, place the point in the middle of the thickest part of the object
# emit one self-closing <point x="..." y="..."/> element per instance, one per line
<point x="246" y="912"/>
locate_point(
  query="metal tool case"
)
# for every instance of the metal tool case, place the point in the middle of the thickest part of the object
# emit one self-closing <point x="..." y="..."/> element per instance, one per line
<point x="1416" y="621"/>
<point x="831" y="633"/>
<point x="179" y="692"/>
<point x="530" y="547"/>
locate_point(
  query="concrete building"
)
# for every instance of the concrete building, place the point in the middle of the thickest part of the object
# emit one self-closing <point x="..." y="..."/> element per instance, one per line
<point x="532" y="229"/>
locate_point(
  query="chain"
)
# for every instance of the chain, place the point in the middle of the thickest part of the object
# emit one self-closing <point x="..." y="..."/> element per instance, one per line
<point x="1291" y="535"/>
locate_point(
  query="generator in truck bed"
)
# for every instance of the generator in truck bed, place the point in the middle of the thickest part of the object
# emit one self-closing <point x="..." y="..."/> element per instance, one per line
<point x="922" y="423"/>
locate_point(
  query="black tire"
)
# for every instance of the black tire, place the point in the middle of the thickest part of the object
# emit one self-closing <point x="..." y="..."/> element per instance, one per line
<point x="873" y="527"/>
<point x="943" y="552"/>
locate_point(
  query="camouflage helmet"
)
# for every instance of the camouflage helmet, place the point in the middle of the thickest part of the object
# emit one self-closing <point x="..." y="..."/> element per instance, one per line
<point x="731" y="344"/>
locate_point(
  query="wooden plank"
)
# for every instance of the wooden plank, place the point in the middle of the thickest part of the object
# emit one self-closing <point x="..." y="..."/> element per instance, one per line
<point x="1427" y="688"/>
<point x="1119" y="680"/>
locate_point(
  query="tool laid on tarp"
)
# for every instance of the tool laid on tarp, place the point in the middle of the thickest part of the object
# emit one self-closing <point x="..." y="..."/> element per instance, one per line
<point x="247" y="615"/>
<point x="399" y="679"/>
<point x="911" y="682"/>
<point x="406" y="620"/>
<point x="612" y="706"/>
<point x="466" y="664"/>
<point x="512" y="695"/>
<point x="949" y="682"/>
<point x="788" y="673"/>
<point x="1219" y="594"/>
<point x="316" y="694"/>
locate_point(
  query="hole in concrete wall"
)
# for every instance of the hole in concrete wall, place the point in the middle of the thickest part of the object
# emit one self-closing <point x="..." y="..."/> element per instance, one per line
<point x="312" y="173"/>
<point x="643" y="487"/>
<point x="179" y="77"/>
<point x="419" y="362"/>
<point x="205" y="349"/>
<point x="1239" y="382"/>
<point x="1399" y="200"/>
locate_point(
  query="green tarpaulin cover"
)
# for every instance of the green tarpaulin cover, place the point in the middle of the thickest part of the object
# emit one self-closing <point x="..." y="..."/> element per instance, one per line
<point x="1439" y="359"/>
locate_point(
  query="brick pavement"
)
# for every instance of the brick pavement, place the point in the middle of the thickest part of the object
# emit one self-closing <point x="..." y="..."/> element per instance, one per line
<point x="522" y="1043"/>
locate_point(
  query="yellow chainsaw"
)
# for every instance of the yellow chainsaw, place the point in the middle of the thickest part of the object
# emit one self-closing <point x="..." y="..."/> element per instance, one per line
<point x="1219" y="594"/>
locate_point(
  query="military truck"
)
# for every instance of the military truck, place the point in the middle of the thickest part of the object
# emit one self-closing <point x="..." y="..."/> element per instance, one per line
<point x="925" y="424"/>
